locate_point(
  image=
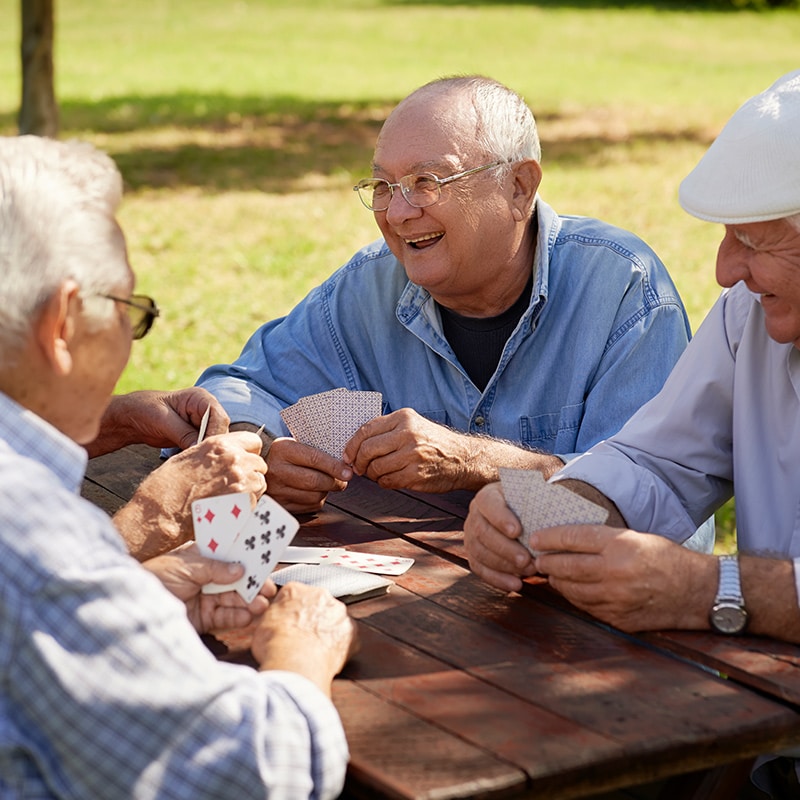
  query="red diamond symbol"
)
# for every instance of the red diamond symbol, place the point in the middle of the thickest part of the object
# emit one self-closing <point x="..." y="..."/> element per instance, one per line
<point x="209" y="515"/>
<point x="213" y="545"/>
<point x="236" y="511"/>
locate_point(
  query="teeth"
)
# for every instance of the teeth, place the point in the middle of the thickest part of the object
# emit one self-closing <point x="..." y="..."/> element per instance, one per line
<point x="423" y="238"/>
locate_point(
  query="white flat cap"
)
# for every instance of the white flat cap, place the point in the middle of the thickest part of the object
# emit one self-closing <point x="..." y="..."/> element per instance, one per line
<point x="751" y="172"/>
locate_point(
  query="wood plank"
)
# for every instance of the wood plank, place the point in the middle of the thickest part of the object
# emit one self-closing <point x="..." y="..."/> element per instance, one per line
<point x="111" y="479"/>
<point x="765" y="664"/>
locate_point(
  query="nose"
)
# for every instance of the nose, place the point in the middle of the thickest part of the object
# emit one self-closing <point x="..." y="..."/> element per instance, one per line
<point x="400" y="209"/>
<point x="732" y="265"/>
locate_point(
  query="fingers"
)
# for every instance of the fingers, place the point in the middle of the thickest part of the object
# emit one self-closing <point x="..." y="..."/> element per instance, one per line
<point x="300" y="477"/>
<point x="491" y="532"/>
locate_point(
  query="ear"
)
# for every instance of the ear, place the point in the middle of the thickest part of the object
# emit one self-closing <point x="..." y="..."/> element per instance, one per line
<point x="56" y="326"/>
<point x="527" y="177"/>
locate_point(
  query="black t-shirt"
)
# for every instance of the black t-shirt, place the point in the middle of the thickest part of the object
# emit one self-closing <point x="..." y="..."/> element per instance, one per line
<point x="478" y="342"/>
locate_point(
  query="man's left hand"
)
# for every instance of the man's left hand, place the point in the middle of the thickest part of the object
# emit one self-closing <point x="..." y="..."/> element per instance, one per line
<point x="184" y="572"/>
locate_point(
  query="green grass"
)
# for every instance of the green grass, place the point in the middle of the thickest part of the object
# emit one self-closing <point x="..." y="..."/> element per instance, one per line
<point x="240" y="126"/>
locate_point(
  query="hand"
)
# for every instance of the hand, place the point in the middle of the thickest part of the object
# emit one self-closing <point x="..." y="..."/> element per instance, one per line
<point x="159" y="515"/>
<point x="300" y="477"/>
<point x="403" y="450"/>
<point x="184" y="572"/>
<point x="305" y="630"/>
<point x="633" y="581"/>
<point x="491" y="534"/>
<point x="159" y="419"/>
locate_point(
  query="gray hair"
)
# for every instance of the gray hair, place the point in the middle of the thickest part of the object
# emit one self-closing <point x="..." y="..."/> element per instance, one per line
<point x="506" y="128"/>
<point x="57" y="206"/>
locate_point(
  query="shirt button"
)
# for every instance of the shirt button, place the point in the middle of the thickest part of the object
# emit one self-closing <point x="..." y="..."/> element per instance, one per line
<point x="480" y="422"/>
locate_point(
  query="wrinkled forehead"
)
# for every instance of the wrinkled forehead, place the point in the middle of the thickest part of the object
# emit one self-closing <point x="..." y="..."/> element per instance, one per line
<point x="428" y="128"/>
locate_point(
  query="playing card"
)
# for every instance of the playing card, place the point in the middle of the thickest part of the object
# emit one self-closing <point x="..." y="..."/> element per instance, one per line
<point x="328" y="420"/>
<point x="539" y="504"/>
<point x="369" y="562"/>
<point x="259" y="546"/>
<point x="203" y="425"/>
<point x="348" y="585"/>
<point x="309" y="555"/>
<point x="217" y="521"/>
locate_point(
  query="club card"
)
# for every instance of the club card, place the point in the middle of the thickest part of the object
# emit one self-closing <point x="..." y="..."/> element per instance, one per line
<point x="348" y="585"/>
<point x="369" y="562"/>
<point x="217" y="521"/>
<point x="259" y="546"/>
<point x="539" y="504"/>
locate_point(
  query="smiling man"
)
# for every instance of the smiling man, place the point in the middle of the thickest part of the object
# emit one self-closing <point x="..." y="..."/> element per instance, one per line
<point x="498" y="332"/>
<point x="727" y="420"/>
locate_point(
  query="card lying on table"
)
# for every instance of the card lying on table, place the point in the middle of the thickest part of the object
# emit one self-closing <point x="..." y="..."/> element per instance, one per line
<point x="347" y="584"/>
<point x="328" y="420"/>
<point x="227" y="530"/>
<point x="539" y="504"/>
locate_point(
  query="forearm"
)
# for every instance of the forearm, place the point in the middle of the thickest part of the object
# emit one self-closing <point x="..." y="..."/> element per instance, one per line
<point x="482" y="456"/>
<point x="114" y="433"/>
<point x="770" y="596"/>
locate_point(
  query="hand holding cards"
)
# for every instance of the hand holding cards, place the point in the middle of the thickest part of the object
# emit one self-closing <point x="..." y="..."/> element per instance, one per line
<point x="328" y="420"/>
<point x="539" y="505"/>
<point x="227" y="530"/>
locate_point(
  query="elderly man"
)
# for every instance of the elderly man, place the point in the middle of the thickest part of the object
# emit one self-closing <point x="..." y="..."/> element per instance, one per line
<point x="728" y="419"/>
<point x="108" y="692"/>
<point x="497" y="332"/>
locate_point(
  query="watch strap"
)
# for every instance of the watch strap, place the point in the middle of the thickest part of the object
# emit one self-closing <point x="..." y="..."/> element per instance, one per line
<point x="730" y="585"/>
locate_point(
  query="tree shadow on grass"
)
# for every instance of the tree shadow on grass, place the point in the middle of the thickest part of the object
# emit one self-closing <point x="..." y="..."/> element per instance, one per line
<point x="281" y="144"/>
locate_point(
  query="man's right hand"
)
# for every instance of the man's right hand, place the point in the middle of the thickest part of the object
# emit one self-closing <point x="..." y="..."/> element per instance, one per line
<point x="307" y="631"/>
<point x="300" y="477"/>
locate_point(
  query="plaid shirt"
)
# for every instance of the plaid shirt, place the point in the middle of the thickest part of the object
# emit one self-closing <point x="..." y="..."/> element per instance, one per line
<point x="107" y="691"/>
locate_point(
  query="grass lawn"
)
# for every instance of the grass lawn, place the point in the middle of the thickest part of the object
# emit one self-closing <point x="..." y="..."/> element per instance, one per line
<point x="240" y="127"/>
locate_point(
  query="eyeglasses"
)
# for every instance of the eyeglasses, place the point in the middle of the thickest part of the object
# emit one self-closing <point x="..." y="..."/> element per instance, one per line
<point x="420" y="190"/>
<point x="142" y="311"/>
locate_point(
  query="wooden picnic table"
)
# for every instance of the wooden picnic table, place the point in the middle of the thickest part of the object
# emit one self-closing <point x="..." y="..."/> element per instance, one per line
<point x="463" y="691"/>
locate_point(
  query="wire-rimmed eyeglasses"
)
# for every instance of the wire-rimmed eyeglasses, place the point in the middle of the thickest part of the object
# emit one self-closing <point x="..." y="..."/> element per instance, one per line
<point x="142" y="311"/>
<point x="420" y="191"/>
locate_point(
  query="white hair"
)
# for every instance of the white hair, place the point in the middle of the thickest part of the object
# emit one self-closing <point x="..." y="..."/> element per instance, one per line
<point x="505" y="129"/>
<point x="57" y="206"/>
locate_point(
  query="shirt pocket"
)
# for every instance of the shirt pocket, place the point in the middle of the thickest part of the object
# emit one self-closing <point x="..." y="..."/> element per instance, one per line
<point x="554" y="432"/>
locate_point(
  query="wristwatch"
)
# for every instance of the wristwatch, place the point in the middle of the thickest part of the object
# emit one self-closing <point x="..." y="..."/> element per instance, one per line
<point x="728" y="614"/>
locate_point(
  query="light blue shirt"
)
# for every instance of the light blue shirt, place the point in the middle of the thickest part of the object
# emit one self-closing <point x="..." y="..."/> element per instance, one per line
<point x="604" y="327"/>
<point x="727" y="419"/>
<point x="107" y="691"/>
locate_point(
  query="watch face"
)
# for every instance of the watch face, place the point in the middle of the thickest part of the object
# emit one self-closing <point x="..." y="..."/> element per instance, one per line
<point x="728" y="618"/>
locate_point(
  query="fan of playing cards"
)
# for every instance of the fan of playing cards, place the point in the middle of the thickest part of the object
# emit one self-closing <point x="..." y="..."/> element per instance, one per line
<point x="226" y="529"/>
<point x="328" y="420"/>
<point x="539" y="505"/>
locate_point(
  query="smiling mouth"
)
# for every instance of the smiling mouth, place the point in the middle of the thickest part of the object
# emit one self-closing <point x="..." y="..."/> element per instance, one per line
<point x="421" y="242"/>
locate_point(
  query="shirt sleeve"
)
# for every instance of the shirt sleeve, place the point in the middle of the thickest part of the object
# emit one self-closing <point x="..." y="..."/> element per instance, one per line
<point x="670" y="467"/>
<point x="114" y="695"/>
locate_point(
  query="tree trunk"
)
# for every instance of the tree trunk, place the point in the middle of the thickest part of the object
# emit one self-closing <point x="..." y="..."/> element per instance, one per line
<point x="38" y="112"/>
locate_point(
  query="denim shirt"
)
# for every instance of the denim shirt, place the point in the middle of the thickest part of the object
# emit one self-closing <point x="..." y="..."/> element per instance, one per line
<point x="604" y="327"/>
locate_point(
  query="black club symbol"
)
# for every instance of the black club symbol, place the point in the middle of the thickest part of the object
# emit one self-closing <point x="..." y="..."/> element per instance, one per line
<point x="265" y="557"/>
<point x="265" y="537"/>
<point x="250" y="543"/>
<point x="281" y="531"/>
<point x="264" y="517"/>
<point x="251" y="582"/>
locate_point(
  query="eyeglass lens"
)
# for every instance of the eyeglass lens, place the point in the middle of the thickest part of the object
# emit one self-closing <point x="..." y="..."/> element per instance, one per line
<point x="419" y="190"/>
<point x="142" y="311"/>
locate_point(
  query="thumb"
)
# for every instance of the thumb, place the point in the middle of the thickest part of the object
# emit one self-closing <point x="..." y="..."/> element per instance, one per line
<point x="212" y="571"/>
